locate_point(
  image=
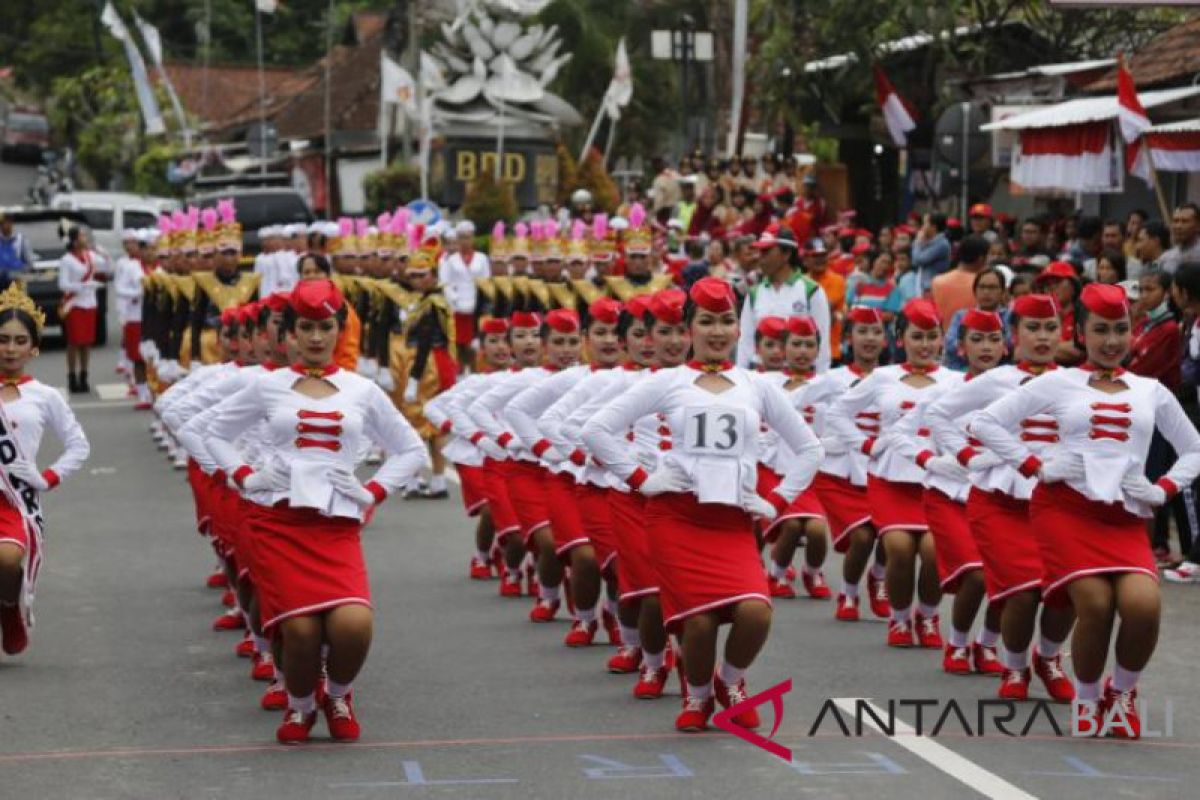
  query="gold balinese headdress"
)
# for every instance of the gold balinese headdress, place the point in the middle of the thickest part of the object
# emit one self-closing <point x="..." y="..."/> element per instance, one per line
<point x="15" y="297"/>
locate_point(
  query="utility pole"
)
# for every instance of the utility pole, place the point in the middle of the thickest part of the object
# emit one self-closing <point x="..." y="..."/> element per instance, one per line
<point x="411" y="53"/>
<point x="329" y="20"/>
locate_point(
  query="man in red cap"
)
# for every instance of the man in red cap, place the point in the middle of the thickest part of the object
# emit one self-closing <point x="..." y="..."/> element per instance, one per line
<point x="980" y="218"/>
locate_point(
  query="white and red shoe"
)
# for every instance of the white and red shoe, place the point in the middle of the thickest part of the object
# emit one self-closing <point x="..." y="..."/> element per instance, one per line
<point x="339" y="716"/>
<point x="229" y="599"/>
<point x="847" y="609"/>
<point x="695" y="715"/>
<point x="245" y="648"/>
<point x="956" y="660"/>
<point x="480" y="569"/>
<point x="263" y="668"/>
<point x="274" y="698"/>
<point x="543" y="611"/>
<point x="1052" y="676"/>
<point x="877" y="591"/>
<point x="627" y="660"/>
<point x="929" y="633"/>
<point x="1014" y="684"/>
<point x="900" y="633"/>
<point x="14" y="636"/>
<point x="1119" y="711"/>
<point x="986" y="660"/>
<point x="729" y="696"/>
<point x="815" y="585"/>
<point x="782" y="589"/>
<point x="218" y="580"/>
<point x="510" y="586"/>
<point x="296" y="727"/>
<point x="231" y="620"/>
<point x="582" y="634"/>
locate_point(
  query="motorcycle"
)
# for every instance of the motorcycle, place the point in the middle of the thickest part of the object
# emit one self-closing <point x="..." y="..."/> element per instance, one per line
<point x="51" y="180"/>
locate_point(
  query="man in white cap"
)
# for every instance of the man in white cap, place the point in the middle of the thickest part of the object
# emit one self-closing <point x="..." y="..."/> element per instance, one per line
<point x="127" y="285"/>
<point x="457" y="274"/>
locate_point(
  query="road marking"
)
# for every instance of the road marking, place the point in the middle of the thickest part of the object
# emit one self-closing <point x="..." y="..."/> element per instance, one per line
<point x="112" y="391"/>
<point x="943" y="758"/>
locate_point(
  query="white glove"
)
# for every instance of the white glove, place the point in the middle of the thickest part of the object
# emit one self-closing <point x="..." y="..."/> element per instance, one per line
<point x="552" y="455"/>
<point x="492" y="450"/>
<point x="947" y="467"/>
<point x="384" y="381"/>
<point x="28" y="474"/>
<point x="1139" y="488"/>
<point x="1064" y="467"/>
<point x="271" y="478"/>
<point x="410" y="391"/>
<point x="759" y="507"/>
<point x="662" y="480"/>
<point x="348" y="485"/>
<point x="984" y="460"/>
<point x="883" y="442"/>
<point x="834" y="446"/>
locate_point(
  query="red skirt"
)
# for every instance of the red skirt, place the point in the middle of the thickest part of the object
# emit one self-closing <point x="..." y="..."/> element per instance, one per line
<point x="245" y="543"/>
<point x="706" y="556"/>
<point x="305" y="564"/>
<point x="79" y="327"/>
<point x="1006" y="542"/>
<point x="474" y="491"/>
<point x="594" y="504"/>
<point x="566" y="522"/>
<point x="131" y="335"/>
<point x="956" y="551"/>
<point x="464" y="328"/>
<point x="1079" y="537"/>
<point x="223" y="505"/>
<point x="636" y="575"/>
<point x="896" y="506"/>
<point x="806" y="505"/>
<point x="495" y="491"/>
<point x="526" y="483"/>
<point x="12" y="526"/>
<point x="201" y="489"/>
<point x="846" y="507"/>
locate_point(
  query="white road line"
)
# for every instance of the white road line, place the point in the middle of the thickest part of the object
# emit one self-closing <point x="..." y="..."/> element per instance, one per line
<point x="961" y="769"/>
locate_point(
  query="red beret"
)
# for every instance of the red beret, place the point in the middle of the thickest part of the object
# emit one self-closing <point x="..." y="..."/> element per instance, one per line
<point x="605" y="310"/>
<point x="316" y="299"/>
<point x="985" y="321"/>
<point x="860" y="249"/>
<point x="1105" y="301"/>
<point x="921" y="313"/>
<point x="230" y="316"/>
<point x="526" y="319"/>
<point x="563" y="320"/>
<point x="865" y="315"/>
<point x="712" y="294"/>
<point x="667" y="306"/>
<point x="864" y="232"/>
<point x="278" y="302"/>
<point x="842" y="232"/>
<point x="802" y="326"/>
<point x="1057" y="269"/>
<point x="772" y="327"/>
<point x="638" y="306"/>
<point x="903" y="228"/>
<point x="980" y="210"/>
<point x="249" y="312"/>
<point x="494" y="325"/>
<point x="1035" y="306"/>
<point x="954" y="222"/>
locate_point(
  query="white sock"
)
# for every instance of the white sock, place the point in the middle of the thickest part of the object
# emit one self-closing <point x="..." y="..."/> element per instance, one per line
<point x="777" y="572"/>
<point x="483" y="556"/>
<point x="987" y="637"/>
<point x="586" y="615"/>
<point x="702" y="692"/>
<point x="654" y="660"/>
<point x="513" y="574"/>
<point x="143" y="393"/>
<point x="878" y="571"/>
<point x="927" y="611"/>
<point x="850" y="590"/>
<point x="959" y="638"/>
<point x="305" y="705"/>
<point x="437" y="483"/>
<point x="1048" y="649"/>
<point x="730" y="675"/>
<point x="324" y="655"/>
<point x="810" y="571"/>
<point x="901" y="614"/>
<point x="1012" y="660"/>
<point x="335" y="689"/>
<point x="610" y="606"/>
<point x="1087" y="692"/>
<point x="262" y="645"/>
<point x="547" y="593"/>
<point x="630" y="637"/>
<point x="1125" y="679"/>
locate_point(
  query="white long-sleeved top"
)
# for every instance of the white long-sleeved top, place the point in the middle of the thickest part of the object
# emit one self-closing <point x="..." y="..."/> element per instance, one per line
<point x="950" y="416"/>
<point x="447" y="406"/>
<point x="38" y="408"/>
<point x="458" y="276"/>
<point x="798" y="295"/>
<point x="178" y="391"/>
<point x="884" y="390"/>
<point x="78" y="281"/>
<point x="203" y="388"/>
<point x="714" y="437"/>
<point x="310" y="437"/>
<point x="522" y="412"/>
<point x="820" y="395"/>
<point x="1109" y="432"/>
<point x="207" y="397"/>
<point x="127" y="285"/>
<point x="917" y="443"/>
<point x="485" y="411"/>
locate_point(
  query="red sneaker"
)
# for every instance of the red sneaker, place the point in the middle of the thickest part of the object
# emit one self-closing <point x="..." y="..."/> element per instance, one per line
<point x="1052" y="676"/>
<point x="543" y="611"/>
<point x="245" y="648"/>
<point x="611" y="628"/>
<point x="231" y="620"/>
<point x="1119" y="713"/>
<point x="847" y="609"/>
<point x="985" y="660"/>
<point x="651" y="682"/>
<point x="695" y="714"/>
<point x="510" y="586"/>
<point x="229" y="599"/>
<point x="274" y="698"/>
<point x="263" y="668"/>
<point x="877" y="591"/>
<point x="296" y="727"/>
<point x="480" y="570"/>
<point x="929" y="632"/>
<point x="14" y="637"/>
<point x="790" y="574"/>
<point x="581" y="634"/>
<point x="339" y="716"/>
<point x="815" y="585"/>
<point x="900" y="633"/>
<point x="956" y="660"/>
<point x="781" y="589"/>
<point x="218" y="580"/>
<point x="1014" y="684"/>
<point x="729" y="696"/>
<point x="627" y="660"/>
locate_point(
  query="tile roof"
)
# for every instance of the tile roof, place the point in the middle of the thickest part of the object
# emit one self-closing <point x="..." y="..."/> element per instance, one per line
<point x="230" y="88"/>
<point x="1171" y="57"/>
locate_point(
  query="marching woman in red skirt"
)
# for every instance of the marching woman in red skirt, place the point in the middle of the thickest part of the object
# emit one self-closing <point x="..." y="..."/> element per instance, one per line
<point x="998" y="508"/>
<point x="29" y="409"/>
<point x="1093" y="498"/>
<point x="308" y="506"/>
<point x="894" y="487"/>
<point x="841" y="483"/>
<point x="702" y="499"/>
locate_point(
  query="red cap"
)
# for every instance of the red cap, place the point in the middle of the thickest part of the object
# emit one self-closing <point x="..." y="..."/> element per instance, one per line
<point x="772" y="327"/>
<point x="865" y="315"/>
<point x="230" y="316"/>
<point x="980" y="210"/>
<point x="842" y="232"/>
<point x="639" y="305"/>
<point x="526" y="319"/>
<point x="667" y="306"/>
<point x="904" y="228"/>
<point x="802" y="326"/>
<point x="249" y="313"/>
<point x="1035" y="306"/>
<point x="494" y="325"/>
<point x="953" y="222"/>
<point x="771" y="237"/>
<point x="278" y="302"/>
<point x="605" y="310"/>
<point x="864" y="232"/>
<point x="563" y="320"/>
<point x="713" y="294"/>
<point x="985" y="321"/>
<point x="317" y="299"/>
<point x="921" y="313"/>
<point x="860" y="249"/>
<point x="1105" y="300"/>
<point x="1057" y="269"/>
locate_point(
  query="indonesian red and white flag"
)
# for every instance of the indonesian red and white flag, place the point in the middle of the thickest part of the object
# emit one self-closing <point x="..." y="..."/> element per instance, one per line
<point x="1174" y="148"/>
<point x="898" y="115"/>
<point x="1130" y="112"/>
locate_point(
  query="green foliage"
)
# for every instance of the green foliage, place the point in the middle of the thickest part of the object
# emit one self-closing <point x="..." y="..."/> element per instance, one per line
<point x="594" y="177"/>
<point x="568" y="174"/>
<point x="98" y="111"/>
<point x="488" y="201"/>
<point x="396" y="185"/>
<point x="150" y="171"/>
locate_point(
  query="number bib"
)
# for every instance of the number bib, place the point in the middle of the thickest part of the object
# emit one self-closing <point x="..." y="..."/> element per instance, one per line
<point x="716" y="437"/>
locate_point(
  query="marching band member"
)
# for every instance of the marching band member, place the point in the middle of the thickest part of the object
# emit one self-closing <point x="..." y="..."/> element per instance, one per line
<point x="29" y="409"/>
<point x="701" y="498"/>
<point x="1093" y="498"/>
<point x="308" y="506"/>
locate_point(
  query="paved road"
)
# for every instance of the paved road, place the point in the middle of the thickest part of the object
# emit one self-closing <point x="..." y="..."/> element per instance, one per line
<point x="14" y="181"/>
<point x="126" y="693"/>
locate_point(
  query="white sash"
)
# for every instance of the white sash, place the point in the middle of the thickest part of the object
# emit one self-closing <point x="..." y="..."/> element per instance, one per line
<point x="28" y="501"/>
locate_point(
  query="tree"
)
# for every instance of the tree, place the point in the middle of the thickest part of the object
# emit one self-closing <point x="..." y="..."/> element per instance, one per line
<point x="488" y="201"/>
<point x="394" y="186"/>
<point x="98" y="111"/>
<point x="594" y="177"/>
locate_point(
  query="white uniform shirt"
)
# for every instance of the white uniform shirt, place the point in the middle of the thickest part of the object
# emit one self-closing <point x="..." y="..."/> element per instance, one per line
<point x="447" y="406"/>
<point x="458" y="277"/>
<point x="127" y="284"/>
<point x="797" y="296"/>
<point x="522" y="412"/>
<point x="820" y="394"/>
<point x="77" y="281"/>
<point x="38" y="408"/>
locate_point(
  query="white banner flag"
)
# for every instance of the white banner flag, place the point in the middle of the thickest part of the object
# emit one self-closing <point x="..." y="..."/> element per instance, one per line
<point x="151" y="114"/>
<point x="396" y="86"/>
<point x="266" y="6"/>
<point x="620" y="88"/>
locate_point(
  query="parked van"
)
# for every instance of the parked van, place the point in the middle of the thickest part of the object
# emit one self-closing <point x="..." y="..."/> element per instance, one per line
<point x="109" y="213"/>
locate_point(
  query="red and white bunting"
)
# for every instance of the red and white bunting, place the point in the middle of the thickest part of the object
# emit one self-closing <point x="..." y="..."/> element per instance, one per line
<point x="1068" y="157"/>
<point x="1131" y="115"/>
<point x="1172" y="151"/>
<point x="898" y="115"/>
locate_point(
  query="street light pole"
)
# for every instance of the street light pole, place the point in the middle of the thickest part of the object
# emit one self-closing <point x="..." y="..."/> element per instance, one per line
<point x="329" y="111"/>
<point x="687" y="24"/>
<point x="262" y="90"/>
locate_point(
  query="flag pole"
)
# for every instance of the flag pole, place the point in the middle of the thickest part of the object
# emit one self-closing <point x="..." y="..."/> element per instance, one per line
<point x="262" y="88"/>
<point x="612" y="134"/>
<point x="1158" y="192"/>
<point x="592" y="133"/>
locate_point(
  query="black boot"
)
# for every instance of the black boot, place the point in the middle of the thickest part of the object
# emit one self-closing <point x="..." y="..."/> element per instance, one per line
<point x="72" y="383"/>
<point x="83" y="383"/>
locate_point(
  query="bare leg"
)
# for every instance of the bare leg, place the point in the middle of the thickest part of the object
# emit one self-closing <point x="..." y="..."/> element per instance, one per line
<point x="585" y="577"/>
<point x="700" y="648"/>
<point x="967" y="600"/>
<point x="485" y="531"/>
<point x="549" y="568"/>
<point x="748" y="634"/>
<point x="301" y="654"/>
<point x="1095" y="603"/>
<point x="901" y="549"/>
<point x="862" y="542"/>
<point x="816" y="543"/>
<point x="348" y="630"/>
<point x="1140" y="606"/>
<point x="12" y="575"/>
<point x="1016" y="620"/>
<point x="650" y="625"/>
<point x="784" y="549"/>
<point x="929" y="588"/>
<point x="1057" y="622"/>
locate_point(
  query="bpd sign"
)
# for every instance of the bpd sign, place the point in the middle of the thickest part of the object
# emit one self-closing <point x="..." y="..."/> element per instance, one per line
<point x="531" y="167"/>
